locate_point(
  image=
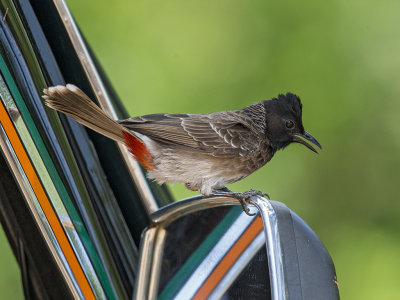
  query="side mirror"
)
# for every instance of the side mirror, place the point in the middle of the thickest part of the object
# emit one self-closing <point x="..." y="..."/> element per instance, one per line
<point x="207" y="248"/>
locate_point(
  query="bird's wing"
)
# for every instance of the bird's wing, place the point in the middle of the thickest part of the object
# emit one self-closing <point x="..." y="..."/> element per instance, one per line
<point x="219" y="134"/>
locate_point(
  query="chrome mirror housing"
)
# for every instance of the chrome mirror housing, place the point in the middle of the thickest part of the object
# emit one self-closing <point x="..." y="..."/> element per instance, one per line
<point x="199" y="248"/>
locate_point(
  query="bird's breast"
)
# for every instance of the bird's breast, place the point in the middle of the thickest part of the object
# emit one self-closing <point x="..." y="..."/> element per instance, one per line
<point x="200" y="170"/>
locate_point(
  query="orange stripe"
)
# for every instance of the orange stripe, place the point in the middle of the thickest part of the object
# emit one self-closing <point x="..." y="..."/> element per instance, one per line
<point x="45" y="204"/>
<point x="229" y="259"/>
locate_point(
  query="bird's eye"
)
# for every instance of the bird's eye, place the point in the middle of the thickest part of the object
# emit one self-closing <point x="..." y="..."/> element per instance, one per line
<point x="289" y="124"/>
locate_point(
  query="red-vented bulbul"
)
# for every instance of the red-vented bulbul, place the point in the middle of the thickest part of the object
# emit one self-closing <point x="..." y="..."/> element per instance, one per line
<point x="204" y="151"/>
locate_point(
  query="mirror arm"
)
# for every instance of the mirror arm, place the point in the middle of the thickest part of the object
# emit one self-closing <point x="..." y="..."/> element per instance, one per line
<point x="274" y="251"/>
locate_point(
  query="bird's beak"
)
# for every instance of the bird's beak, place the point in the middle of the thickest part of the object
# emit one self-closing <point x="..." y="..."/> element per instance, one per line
<point x="299" y="138"/>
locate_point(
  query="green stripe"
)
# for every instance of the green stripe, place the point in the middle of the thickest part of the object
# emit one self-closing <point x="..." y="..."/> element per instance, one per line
<point x="198" y="256"/>
<point x="79" y="226"/>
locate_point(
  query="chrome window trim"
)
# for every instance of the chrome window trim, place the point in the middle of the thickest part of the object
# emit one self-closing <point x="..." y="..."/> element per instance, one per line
<point x="93" y="76"/>
<point x="27" y="72"/>
<point x="35" y="207"/>
<point x="38" y="214"/>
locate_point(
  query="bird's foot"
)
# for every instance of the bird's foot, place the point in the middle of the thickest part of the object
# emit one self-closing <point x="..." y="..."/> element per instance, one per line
<point x="242" y="197"/>
<point x="251" y="193"/>
<point x="246" y="196"/>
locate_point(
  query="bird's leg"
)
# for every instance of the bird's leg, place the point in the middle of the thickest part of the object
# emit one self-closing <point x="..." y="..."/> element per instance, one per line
<point x="242" y="197"/>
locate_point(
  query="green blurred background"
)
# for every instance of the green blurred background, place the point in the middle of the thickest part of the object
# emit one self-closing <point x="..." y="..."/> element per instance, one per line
<point x="341" y="57"/>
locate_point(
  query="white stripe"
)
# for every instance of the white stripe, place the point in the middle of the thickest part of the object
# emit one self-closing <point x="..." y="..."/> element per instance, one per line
<point x="237" y="268"/>
<point x="204" y="270"/>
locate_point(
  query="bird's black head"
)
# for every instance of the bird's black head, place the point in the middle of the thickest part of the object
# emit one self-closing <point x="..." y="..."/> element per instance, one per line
<point x="284" y="124"/>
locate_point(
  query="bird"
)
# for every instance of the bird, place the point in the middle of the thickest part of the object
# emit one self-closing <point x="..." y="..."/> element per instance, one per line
<point x="205" y="152"/>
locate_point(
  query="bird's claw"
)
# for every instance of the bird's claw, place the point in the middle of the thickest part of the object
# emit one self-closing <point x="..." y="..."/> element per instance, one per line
<point x="246" y="196"/>
<point x="246" y="209"/>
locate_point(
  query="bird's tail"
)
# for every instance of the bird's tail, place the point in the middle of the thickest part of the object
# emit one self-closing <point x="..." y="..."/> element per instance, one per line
<point x="71" y="101"/>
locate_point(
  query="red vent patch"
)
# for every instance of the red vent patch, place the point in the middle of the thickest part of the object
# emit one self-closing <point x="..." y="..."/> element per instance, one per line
<point x="139" y="150"/>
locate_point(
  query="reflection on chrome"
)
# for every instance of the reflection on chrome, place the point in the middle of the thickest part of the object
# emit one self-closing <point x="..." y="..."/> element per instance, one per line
<point x="150" y="254"/>
<point x="38" y="214"/>
<point x="238" y="267"/>
<point x="144" y="270"/>
<point x="58" y="205"/>
<point x="274" y="251"/>
<point x="147" y="279"/>
<point x="206" y="267"/>
<point x="175" y="210"/>
<point x="135" y="171"/>
<point x="158" y="251"/>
